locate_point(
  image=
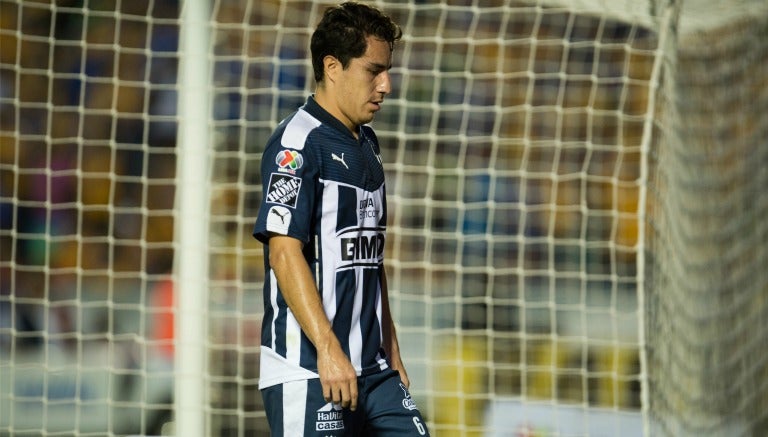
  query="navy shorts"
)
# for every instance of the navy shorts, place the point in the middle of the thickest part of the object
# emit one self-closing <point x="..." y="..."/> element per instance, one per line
<point x="384" y="408"/>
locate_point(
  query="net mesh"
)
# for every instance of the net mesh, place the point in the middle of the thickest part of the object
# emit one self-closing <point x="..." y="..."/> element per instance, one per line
<point x="524" y="142"/>
<point x="708" y="289"/>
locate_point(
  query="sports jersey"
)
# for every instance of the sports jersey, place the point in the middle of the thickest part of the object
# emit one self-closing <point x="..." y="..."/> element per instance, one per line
<point x="326" y="188"/>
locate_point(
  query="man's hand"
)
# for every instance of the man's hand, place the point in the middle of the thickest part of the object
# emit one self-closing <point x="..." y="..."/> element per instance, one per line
<point x="337" y="375"/>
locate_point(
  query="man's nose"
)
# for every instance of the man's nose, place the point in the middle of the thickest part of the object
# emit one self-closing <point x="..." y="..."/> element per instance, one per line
<point x="385" y="83"/>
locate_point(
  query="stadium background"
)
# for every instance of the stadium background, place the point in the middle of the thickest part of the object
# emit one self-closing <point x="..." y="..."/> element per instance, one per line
<point x="517" y="148"/>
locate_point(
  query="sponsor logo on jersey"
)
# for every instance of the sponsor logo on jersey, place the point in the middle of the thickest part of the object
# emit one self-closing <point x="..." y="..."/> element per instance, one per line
<point x="408" y="403"/>
<point x="289" y="161"/>
<point x="362" y="247"/>
<point x="329" y="417"/>
<point x="340" y="159"/>
<point x="278" y="219"/>
<point x="367" y="209"/>
<point x="283" y="189"/>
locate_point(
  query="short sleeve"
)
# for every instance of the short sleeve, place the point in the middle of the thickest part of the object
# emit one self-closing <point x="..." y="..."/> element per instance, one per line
<point x="289" y="181"/>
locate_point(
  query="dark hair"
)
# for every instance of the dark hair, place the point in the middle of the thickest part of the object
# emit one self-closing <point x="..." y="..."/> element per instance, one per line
<point x="343" y="30"/>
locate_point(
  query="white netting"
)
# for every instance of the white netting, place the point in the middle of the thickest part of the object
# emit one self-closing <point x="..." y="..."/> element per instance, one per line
<point x="87" y="183"/>
<point x="708" y="288"/>
<point x="516" y="147"/>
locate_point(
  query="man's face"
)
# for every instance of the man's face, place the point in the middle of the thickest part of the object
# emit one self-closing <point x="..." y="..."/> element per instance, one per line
<point x="364" y="83"/>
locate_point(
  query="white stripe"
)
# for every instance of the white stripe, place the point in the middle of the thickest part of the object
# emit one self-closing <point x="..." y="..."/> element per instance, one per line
<point x="292" y="328"/>
<point x="382" y="362"/>
<point x="275" y="369"/>
<point x="294" y="407"/>
<point x="331" y="252"/>
<point x="356" y="333"/>
<point x="273" y="303"/>
<point x="292" y="339"/>
<point x="318" y="263"/>
<point x="298" y="129"/>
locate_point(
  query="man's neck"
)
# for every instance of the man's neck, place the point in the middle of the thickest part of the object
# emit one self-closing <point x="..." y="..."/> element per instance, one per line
<point x="323" y="98"/>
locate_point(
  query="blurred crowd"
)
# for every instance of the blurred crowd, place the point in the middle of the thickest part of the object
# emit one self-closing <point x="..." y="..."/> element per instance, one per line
<point x="88" y="154"/>
<point x="511" y="141"/>
<point x="517" y="151"/>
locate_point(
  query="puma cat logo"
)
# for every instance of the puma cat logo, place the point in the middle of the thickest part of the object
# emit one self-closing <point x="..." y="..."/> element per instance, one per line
<point x="341" y="160"/>
<point x="277" y="213"/>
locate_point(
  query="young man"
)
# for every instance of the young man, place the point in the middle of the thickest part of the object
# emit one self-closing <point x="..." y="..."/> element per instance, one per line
<point x="330" y="361"/>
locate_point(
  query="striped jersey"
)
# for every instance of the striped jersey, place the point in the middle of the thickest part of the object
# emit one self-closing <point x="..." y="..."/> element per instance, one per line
<point x="326" y="188"/>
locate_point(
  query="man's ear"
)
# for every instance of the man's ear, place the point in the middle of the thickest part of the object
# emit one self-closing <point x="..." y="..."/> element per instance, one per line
<point x="332" y="67"/>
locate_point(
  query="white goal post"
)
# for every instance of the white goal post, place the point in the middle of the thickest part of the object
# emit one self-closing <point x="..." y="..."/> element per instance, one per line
<point x="576" y="245"/>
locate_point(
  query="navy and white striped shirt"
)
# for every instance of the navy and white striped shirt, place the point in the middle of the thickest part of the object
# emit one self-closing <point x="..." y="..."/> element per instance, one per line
<point x="326" y="188"/>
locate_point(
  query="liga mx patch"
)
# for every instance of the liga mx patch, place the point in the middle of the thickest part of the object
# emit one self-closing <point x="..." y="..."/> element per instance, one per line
<point x="283" y="189"/>
<point x="289" y="161"/>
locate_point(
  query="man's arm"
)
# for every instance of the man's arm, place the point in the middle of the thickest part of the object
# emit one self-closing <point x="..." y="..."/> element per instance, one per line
<point x="391" y="346"/>
<point x="337" y="375"/>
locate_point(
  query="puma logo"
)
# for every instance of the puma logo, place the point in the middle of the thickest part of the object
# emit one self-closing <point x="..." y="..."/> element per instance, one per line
<point x="277" y="213"/>
<point x="341" y="160"/>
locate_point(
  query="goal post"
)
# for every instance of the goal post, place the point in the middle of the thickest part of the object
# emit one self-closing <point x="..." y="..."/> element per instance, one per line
<point x="576" y="242"/>
<point x="192" y="248"/>
<point x="706" y="303"/>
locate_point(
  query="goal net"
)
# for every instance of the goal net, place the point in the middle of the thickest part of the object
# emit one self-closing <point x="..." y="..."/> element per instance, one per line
<point x="576" y="242"/>
<point x="706" y="277"/>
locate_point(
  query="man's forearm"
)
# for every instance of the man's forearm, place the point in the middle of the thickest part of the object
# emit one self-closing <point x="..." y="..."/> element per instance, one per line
<point x="337" y="375"/>
<point x="299" y="290"/>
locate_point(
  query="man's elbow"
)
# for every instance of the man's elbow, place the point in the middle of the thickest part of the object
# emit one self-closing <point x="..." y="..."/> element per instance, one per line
<point x="282" y="250"/>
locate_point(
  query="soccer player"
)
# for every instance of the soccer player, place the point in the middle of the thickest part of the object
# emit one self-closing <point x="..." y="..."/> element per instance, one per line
<point x="330" y="361"/>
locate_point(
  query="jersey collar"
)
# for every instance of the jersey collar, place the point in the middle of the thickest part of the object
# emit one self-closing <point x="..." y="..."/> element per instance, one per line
<point x="317" y="111"/>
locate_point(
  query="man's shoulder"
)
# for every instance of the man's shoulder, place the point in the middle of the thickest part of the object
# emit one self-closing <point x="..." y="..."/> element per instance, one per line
<point x="294" y="131"/>
<point x="303" y="130"/>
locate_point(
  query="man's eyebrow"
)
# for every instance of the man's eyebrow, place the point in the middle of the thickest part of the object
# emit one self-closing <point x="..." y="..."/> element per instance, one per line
<point x="379" y="67"/>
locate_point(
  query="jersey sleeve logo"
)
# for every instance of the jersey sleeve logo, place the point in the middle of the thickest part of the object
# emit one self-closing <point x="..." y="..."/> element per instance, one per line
<point x="289" y="161"/>
<point x="283" y="189"/>
<point x="278" y="219"/>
